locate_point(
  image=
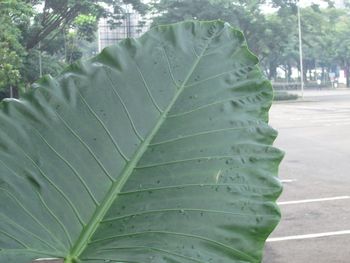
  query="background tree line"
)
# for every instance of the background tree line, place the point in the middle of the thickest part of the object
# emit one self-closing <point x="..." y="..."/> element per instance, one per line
<point x="58" y="32"/>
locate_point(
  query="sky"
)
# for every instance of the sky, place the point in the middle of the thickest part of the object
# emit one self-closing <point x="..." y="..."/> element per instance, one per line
<point x="303" y="3"/>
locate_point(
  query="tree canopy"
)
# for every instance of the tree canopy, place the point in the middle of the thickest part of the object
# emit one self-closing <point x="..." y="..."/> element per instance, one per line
<point x="14" y="15"/>
<point x="273" y="36"/>
<point x="53" y="30"/>
<point x="59" y="32"/>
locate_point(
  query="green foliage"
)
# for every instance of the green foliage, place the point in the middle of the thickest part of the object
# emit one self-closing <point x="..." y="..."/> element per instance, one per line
<point x="50" y="65"/>
<point x="86" y="26"/>
<point x="9" y="64"/>
<point x="58" y="15"/>
<point x="62" y="28"/>
<point x="245" y="15"/>
<point x="273" y="36"/>
<point x="323" y="37"/>
<point x="73" y="51"/>
<point x="326" y="38"/>
<point x="13" y="15"/>
<point x="156" y="150"/>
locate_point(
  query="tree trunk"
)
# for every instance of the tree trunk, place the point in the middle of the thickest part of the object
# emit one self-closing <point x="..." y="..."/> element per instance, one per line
<point x="305" y="72"/>
<point x="14" y="92"/>
<point x="272" y="71"/>
<point x="289" y="70"/>
<point x="346" y="71"/>
<point x="323" y="76"/>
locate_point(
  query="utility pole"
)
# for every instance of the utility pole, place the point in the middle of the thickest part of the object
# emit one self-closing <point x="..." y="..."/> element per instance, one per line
<point x="301" y="54"/>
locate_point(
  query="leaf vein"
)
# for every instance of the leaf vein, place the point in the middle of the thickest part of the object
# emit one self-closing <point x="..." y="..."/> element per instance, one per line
<point x="205" y="133"/>
<point x="235" y="251"/>
<point x="116" y="145"/>
<point x="212" y="104"/>
<point x="182" y="210"/>
<point x="86" y="147"/>
<point x="13" y="223"/>
<point x="70" y="166"/>
<point x="33" y="217"/>
<point x="207" y="158"/>
<point x="237" y="84"/>
<point x="114" y="88"/>
<point x="110" y="260"/>
<point x="148" y="89"/>
<point x="191" y="185"/>
<point x="57" y="219"/>
<point x="154" y="249"/>
<point x="44" y="175"/>
<point x="42" y="201"/>
<point x="13" y="238"/>
<point x="169" y="68"/>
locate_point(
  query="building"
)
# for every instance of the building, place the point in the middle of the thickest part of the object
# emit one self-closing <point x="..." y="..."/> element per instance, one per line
<point x="130" y="26"/>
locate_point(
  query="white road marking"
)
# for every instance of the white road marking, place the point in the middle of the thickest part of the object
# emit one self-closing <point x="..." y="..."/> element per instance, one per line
<point x="343" y="123"/>
<point x="336" y="124"/>
<point x="313" y="200"/>
<point x="47" y="259"/>
<point x="288" y="181"/>
<point x="339" y="120"/>
<point x="326" y="234"/>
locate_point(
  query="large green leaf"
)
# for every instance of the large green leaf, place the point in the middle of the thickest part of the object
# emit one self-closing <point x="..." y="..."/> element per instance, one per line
<point x="156" y="150"/>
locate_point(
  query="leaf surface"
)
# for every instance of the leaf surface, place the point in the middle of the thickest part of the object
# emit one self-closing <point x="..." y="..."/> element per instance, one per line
<point x="156" y="150"/>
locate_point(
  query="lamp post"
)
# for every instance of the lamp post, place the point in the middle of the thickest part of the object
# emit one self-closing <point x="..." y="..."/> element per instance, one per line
<point x="301" y="54"/>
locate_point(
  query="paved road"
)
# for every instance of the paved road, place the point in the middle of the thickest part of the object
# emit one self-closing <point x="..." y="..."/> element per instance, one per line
<point x="315" y="134"/>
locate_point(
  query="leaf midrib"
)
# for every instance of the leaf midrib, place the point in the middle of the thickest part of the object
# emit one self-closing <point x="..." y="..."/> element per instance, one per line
<point x="116" y="187"/>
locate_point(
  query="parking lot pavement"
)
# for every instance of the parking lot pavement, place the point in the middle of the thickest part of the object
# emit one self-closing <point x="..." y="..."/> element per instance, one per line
<point x="315" y="203"/>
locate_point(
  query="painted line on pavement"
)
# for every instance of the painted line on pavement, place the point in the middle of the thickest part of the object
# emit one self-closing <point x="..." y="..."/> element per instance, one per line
<point x="313" y="200"/>
<point x="56" y="260"/>
<point x="288" y="181"/>
<point x="326" y="234"/>
<point x="337" y="119"/>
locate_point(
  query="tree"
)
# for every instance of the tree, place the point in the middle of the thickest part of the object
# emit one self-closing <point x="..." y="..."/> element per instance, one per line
<point x="55" y="30"/>
<point x="325" y="34"/>
<point x="13" y="16"/>
<point x="280" y="45"/>
<point x="266" y="38"/>
<point x="242" y="15"/>
<point x="283" y="45"/>
<point x="57" y="15"/>
<point x="340" y="39"/>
